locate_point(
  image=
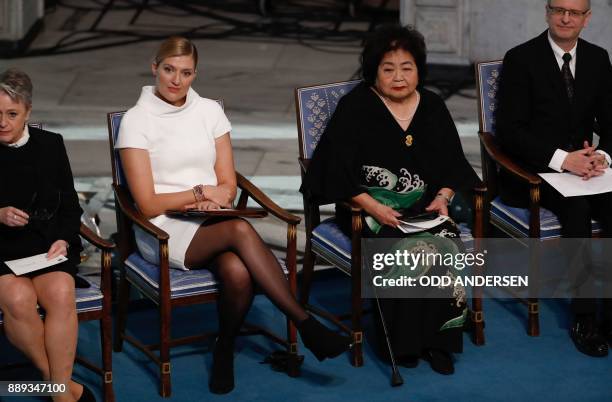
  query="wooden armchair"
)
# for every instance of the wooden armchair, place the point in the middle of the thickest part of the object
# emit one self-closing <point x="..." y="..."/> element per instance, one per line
<point x="170" y="288"/>
<point x="533" y="222"/>
<point x="314" y="107"/>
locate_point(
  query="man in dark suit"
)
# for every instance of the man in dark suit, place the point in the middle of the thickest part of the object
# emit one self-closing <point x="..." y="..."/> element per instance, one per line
<point x="554" y="89"/>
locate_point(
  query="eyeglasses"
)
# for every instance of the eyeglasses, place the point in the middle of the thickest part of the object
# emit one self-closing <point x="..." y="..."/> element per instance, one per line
<point x="41" y="214"/>
<point x="560" y="12"/>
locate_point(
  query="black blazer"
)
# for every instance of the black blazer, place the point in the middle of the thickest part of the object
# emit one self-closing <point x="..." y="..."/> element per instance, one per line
<point x="41" y="166"/>
<point x="535" y="117"/>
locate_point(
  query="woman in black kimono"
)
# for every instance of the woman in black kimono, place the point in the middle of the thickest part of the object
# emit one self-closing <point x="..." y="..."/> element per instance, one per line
<point x="39" y="214"/>
<point x="392" y="148"/>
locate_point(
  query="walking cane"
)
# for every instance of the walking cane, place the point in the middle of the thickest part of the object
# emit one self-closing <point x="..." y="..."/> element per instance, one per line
<point x="396" y="377"/>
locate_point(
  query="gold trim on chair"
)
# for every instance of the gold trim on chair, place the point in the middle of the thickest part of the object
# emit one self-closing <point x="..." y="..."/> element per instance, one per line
<point x="291" y="232"/>
<point x="165" y="368"/>
<point x="163" y="249"/>
<point x="535" y="194"/>
<point x="534" y="308"/>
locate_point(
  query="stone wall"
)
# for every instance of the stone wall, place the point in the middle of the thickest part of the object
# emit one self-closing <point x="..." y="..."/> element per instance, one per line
<point x="488" y="28"/>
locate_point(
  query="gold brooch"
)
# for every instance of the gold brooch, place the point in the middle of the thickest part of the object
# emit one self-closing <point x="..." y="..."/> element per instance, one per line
<point x="408" y="140"/>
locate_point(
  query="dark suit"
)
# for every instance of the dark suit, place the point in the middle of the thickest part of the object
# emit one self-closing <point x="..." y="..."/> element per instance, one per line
<point x="535" y="118"/>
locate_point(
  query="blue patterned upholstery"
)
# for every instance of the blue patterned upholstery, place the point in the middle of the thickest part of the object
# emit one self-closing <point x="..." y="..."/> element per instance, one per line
<point x="488" y="76"/>
<point x="182" y="283"/>
<point x="332" y="244"/>
<point x="318" y="103"/>
<point x="114" y="122"/>
<point x="516" y="221"/>
<point x="89" y="299"/>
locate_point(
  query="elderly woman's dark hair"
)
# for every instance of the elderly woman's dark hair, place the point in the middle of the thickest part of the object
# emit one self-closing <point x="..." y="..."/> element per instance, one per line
<point x="17" y="85"/>
<point x="390" y="37"/>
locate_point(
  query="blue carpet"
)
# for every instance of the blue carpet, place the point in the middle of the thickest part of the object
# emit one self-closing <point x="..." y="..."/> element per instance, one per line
<point x="510" y="367"/>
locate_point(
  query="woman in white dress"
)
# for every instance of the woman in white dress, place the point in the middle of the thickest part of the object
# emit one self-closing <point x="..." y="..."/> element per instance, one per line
<point x="176" y="152"/>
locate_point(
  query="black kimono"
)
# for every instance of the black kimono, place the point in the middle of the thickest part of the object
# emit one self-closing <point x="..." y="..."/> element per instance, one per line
<point x="37" y="178"/>
<point x="364" y="149"/>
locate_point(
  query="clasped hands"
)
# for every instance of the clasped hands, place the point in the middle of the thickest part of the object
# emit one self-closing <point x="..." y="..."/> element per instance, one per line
<point x="217" y="197"/>
<point x="15" y="217"/>
<point x="585" y="162"/>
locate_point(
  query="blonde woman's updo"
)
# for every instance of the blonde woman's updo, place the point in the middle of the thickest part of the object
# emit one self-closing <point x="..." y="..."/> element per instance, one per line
<point x="176" y="46"/>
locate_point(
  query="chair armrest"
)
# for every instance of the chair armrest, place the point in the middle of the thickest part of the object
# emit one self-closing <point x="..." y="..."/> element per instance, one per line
<point x="505" y="162"/>
<point x="135" y="215"/>
<point x="90" y="236"/>
<point x="266" y="203"/>
<point x="350" y="206"/>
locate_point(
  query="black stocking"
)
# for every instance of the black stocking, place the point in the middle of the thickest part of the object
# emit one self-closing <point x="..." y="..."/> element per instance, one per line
<point x="236" y="294"/>
<point x="216" y="242"/>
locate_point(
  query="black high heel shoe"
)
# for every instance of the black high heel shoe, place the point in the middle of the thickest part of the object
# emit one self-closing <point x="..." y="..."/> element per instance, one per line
<point x="440" y="361"/>
<point x="322" y="341"/>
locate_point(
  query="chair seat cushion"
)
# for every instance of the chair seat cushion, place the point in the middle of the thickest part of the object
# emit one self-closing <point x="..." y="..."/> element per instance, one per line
<point x="145" y="276"/>
<point x="89" y="299"/>
<point x="330" y="243"/>
<point x="515" y="221"/>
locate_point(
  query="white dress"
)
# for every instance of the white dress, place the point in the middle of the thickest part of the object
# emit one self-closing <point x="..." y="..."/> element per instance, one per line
<point x="181" y="145"/>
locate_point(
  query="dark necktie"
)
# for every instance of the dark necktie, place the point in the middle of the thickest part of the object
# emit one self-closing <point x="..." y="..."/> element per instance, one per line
<point x="568" y="79"/>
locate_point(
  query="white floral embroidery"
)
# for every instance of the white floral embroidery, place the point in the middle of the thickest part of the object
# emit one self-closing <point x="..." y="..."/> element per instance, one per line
<point x="381" y="176"/>
<point x="384" y="178"/>
<point x="445" y="233"/>
<point x="409" y="182"/>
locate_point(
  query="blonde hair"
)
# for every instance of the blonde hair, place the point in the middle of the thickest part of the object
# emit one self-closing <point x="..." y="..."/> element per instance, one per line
<point x="176" y="46"/>
<point x="17" y="85"/>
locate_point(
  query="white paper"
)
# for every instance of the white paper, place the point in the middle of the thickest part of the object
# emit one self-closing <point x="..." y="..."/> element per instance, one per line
<point x="33" y="263"/>
<point x="571" y="185"/>
<point x="420" y="226"/>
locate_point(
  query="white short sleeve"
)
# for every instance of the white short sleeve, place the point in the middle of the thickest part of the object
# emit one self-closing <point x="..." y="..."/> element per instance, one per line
<point x="220" y="124"/>
<point x="132" y="131"/>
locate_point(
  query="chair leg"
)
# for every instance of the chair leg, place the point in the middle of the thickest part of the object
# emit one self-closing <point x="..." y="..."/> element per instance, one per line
<point x="293" y="364"/>
<point x="307" y="272"/>
<point x="356" y="313"/>
<point x="165" y="389"/>
<point x="357" y="351"/>
<point x="107" y="362"/>
<point x="477" y="322"/>
<point x="122" y="307"/>
<point x="534" y="318"/>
